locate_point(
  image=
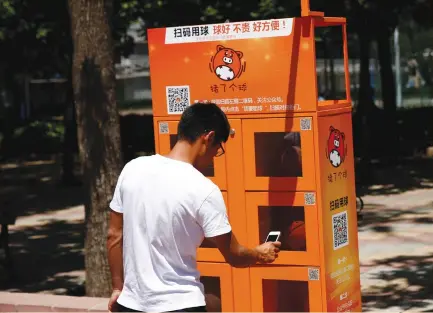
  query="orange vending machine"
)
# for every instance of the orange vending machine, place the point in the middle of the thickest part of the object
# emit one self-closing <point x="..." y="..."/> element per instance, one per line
<point x="289" y="162"/>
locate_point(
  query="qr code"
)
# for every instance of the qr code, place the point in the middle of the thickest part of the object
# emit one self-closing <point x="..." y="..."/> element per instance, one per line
<point x="313" y="274"/>
<point x="306" y="123"/>
<point x="340" y="230"/>
<point x="163" y="128"/>
<point x="310" y="198"/>
<point x="177" y="99"/>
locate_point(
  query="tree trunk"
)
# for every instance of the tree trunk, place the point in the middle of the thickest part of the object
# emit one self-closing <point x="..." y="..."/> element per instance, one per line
<point x="365" y="103"/>
<point x="98" y="129"/>
<point x="388" y="89"/>
<point x="70" y="137"/>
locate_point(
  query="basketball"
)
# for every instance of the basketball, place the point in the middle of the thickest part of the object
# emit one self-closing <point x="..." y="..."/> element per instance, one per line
<point x="296" y="239"/>
<point x="213" y="303"/>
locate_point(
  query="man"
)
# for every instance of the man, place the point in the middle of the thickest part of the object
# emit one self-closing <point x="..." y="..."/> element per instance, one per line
<point x="161" y="210"/>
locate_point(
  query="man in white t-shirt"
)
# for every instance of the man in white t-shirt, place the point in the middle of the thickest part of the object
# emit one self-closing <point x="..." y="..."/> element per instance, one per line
<point x="161" y="211"/>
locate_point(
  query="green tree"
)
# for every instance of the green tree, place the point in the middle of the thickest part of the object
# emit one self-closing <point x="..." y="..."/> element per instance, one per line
<point x="33" y="41"/>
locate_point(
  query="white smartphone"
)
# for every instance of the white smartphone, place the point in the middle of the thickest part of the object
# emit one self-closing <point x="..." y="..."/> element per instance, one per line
<point x="273" y="236"/>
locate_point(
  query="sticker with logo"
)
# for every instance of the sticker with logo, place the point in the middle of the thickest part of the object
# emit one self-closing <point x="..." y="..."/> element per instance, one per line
<point x="336" y="150"/>
<point x="227" y="64"/>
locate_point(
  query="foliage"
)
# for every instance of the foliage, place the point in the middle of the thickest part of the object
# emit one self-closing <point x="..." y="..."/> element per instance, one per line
<point x="35" y="36"/>
<point x="37" y="137"/>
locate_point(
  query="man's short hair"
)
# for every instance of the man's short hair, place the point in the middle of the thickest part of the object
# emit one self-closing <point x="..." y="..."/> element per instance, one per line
<point x="200" y="118"/>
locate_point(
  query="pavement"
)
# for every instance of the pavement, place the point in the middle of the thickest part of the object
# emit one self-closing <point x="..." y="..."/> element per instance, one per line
<point x="395" y="239"/>
<point x="396" y="252"/>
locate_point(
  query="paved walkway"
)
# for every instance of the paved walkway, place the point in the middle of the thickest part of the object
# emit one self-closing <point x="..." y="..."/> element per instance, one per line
<point x="395" y="237"/>
<point x="396" y="252"/>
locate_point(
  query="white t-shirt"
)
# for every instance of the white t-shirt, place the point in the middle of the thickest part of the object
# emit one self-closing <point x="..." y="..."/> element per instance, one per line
<point x="168" y="208"/>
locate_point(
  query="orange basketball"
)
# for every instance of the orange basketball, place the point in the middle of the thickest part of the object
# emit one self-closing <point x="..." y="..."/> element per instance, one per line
<point x="213" y="303"/>
<point x="296" y="239"/>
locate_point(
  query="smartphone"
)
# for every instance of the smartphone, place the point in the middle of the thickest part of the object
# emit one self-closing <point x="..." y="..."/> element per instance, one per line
<point x="273" y="236"/>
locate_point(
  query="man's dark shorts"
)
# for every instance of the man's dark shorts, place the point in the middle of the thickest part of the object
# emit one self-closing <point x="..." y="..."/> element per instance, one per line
<point x="121" y="308"/>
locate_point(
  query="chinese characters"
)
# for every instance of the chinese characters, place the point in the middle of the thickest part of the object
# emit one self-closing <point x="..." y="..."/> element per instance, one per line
<point x="226" y="87"/>
<point x="341" y="271"/>
<point x="229" y="31"/>
<point x="191" y="31"/>
<point x="246" y="27"/>
<point x="232" y="101"/>
<point x="333" y="177"/>
<point x="339" y="203"/>
<point x="247" y="104"/>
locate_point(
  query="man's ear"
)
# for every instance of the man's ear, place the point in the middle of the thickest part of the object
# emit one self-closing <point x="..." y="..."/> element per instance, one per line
<point x="210" y="137"/>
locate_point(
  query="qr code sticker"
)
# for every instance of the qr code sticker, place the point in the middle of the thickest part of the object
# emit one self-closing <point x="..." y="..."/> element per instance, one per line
<point x="306" y="123"/>
<point x="340" y="230"/>
<point x="313" y="274"/>
<point x="310" y="198"/>
<point x="178" y="99"/>
<point x="163" y="128"/>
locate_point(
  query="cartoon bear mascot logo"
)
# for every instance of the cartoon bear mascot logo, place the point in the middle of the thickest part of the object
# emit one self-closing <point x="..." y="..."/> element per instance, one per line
<point x="227" y="64"/>
<point x="337" y="150"/>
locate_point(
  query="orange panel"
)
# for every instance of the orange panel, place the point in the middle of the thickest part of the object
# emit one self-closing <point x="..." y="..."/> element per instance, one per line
<point x="235" y="180"/>
<point x="330" y="21"/>
<point x="217" y="172"/>
<point x="294" y="216"/>
<point x="305" y="7"/>
<point x="241" y="290"/>
<point x="216" y="276"/>
<point x="337" y="22"/>
<point x="235" y="183"/>
<point x="338" y="217"/>
<point x="270" y="63"/>
<point x="346" y="64"/>
<point x="156" y="134"/>
<point x="285" y="289"/>
<point x="279" y="154"/>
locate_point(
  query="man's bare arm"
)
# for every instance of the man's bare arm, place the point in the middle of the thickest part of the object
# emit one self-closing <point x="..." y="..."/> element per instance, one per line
<point x="239" y="256"/>
<point x="115" y="249"/>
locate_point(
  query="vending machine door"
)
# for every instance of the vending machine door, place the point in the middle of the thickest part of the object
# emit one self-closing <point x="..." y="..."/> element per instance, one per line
<point x="279" y="154"/>
<point x="217" y="281"/>
<point x="285" y="289"/>
<point x="294" y="215"/>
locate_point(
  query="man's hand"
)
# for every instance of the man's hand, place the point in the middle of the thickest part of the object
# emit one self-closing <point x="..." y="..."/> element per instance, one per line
<point x="268" y="252"/>
<point x="112" y="304"/>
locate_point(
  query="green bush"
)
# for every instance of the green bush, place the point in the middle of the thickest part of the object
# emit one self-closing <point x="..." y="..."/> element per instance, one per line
<point x="37" y="137"/>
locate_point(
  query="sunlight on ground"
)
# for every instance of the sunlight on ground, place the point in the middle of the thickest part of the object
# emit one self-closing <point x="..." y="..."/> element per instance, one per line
<point x="14" y="165"/>
<point x="72" y="215"/>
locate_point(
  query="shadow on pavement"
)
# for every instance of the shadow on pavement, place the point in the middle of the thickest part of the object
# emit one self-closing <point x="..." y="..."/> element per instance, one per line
<point x="47" y="258"/>
<point x="409" y="284"/>
<point x="382" y="219"/>
<point x="389" y="179"/>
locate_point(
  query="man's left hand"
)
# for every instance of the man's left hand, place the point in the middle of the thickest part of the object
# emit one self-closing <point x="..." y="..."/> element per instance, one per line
<point x="112" y="304"/>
